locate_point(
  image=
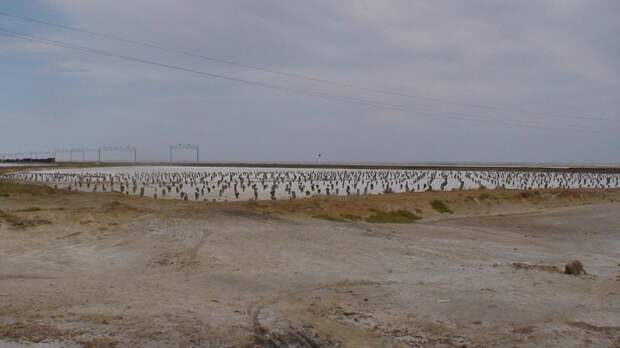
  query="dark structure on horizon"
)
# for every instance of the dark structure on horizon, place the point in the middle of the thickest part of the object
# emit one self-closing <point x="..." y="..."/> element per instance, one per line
<point x="29" y="160"/>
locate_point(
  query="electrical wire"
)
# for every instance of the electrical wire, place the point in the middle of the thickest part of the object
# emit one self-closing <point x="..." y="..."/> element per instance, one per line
<point x="298" y="76"/>
<point x="334" y="97"/>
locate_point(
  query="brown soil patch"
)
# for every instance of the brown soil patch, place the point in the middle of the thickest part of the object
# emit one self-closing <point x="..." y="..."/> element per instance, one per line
<point x="528" y="267"/>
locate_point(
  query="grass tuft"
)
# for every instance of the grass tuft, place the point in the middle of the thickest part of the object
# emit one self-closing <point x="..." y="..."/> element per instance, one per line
<point x="28" y="210"/>
<point x="10" y="188"/>
<point x="351" y="217"/>
<point x="524" y="194"/>
<point x="440" y="206"/>
<point x="19" y="222"/>
<point x="393" y="217"/>
<point x="329" y="218"/>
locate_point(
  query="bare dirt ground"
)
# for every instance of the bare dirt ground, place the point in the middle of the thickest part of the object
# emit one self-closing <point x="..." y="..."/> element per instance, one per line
<point x="106" y="270"/>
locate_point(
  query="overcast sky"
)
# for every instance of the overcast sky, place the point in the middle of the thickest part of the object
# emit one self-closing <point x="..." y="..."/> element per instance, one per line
<point x="550" y="57"/>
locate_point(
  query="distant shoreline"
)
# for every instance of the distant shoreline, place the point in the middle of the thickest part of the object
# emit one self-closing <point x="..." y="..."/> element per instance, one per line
<point x="608" y="168"/>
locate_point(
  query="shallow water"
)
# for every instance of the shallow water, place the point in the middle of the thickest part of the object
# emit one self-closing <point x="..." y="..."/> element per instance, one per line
<point x="233" y="183"/>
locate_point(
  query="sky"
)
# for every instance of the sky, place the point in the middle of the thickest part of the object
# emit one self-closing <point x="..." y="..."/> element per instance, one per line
<point x="547" y="73"/>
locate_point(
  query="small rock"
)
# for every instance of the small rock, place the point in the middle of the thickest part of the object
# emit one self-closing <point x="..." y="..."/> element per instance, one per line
<point x="574" y="268"/>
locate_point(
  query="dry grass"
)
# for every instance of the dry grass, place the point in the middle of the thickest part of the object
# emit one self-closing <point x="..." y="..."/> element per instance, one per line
<point x="8" y="189"/>
<point x="423" y="203"/>
<point x="376" y="217"/>
<point x="28" y="210"/>
<point x="544" y="268"/>
<point x="529" y="194"/>
<point x="333" y="208"/>
<point x="100" y="342"/>
<point x="329" y="217"/>
<point x="21" y="222"/>
<point x="393" y="217"/>
<point x="440" y="206"/>
<point x="34" y="332"/>
<point x="351" y="217"/>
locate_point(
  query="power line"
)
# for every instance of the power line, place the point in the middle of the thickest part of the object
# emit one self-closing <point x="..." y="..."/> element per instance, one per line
<point x="298" y="76"/>
<point x="365" y="102"/>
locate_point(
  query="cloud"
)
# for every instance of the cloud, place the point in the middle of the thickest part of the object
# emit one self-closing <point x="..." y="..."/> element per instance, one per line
<point x="523" y="55"/>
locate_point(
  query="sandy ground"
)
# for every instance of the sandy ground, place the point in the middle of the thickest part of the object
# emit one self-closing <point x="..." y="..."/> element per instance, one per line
<point x="104" y="270"/>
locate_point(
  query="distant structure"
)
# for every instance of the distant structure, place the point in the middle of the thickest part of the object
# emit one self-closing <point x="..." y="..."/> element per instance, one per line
<point x="28" y="160"/>
<point x="28" y="157"/>
<point x="52" y="156"/>
<point x="185" y="147"/>
<point x="131" y="150"/>
<point x="71" y="152"/>
<point x="98" y="151"/>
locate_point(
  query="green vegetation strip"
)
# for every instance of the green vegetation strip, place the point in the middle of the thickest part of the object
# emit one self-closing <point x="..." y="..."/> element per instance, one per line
<point x="393" y="217"/>
<point x="440" y="206"/>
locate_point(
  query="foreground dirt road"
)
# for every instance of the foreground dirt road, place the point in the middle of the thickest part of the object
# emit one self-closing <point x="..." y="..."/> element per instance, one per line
<point x="104" y="270"/>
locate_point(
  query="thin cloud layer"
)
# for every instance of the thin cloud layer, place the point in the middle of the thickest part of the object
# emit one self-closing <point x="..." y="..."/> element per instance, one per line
<point x="546" y="56"/>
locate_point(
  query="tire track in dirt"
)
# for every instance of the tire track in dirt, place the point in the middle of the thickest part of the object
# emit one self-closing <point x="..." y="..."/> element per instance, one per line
<point x="298" y="337"/>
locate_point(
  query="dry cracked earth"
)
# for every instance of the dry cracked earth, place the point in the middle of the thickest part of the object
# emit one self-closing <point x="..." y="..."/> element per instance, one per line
<point x="103" y="270"/>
